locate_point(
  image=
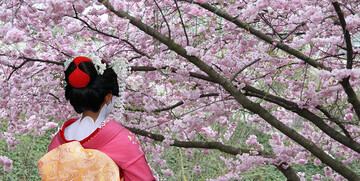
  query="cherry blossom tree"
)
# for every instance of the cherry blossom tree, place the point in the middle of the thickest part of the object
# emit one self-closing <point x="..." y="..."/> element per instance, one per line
<point x="289" y="67"/>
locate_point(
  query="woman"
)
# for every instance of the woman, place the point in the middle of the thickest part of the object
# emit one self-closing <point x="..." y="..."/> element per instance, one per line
<point x="91" y="94"/>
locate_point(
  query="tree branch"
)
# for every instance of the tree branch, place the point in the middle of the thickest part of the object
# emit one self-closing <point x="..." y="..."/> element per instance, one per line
<point x="182" y="23"/>
<point x="289" y="172"/>
<point x="172" y="106"/>
<point x="347" y="37"/>
<point x="336" y="121"/>
<point x="192" y="74"/>
<point x="269" y="24"/>
<point x="352" y="97"/>
<point x="242" y="69"/>
<point x="109" y="35"/>
<point x="318" y="121"/>
<point x="166" y="22"/>
<point x="15" y="68"/>
<point x="260" y="35"/>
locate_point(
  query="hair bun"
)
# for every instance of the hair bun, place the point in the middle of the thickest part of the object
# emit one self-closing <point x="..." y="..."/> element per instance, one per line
<point x="78" y="78"/>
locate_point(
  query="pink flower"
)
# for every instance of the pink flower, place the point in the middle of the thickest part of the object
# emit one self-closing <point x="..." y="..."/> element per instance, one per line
<point x="189" y="154"/>
<point x="14" y="36"/>
<point x="328" y="172"/>
<point x="6" y="162"/>
<point x="167" y="172"/>
<point x="317" y="177"/>
<point x="274" y="43"/>
<point x="192" y="51"/>
<point x="317" y="162"/>
<point x="197" y="169"/>
<point x="205" y="151"/>
<point x="253" y="142"/>
<point x="196" y="11"/>
<point x="200" y="1"/>
<point x="118" y="4"/>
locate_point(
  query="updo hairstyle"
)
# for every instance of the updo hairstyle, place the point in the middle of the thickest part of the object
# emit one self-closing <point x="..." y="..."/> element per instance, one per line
<point x="92" y="95"/>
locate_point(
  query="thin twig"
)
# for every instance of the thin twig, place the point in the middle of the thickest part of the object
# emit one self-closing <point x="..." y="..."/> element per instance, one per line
<point x="335" y="120"/>
<point x="182" y="23"/>
<point x="166" y="22"/>
<point x="242" y="69"/>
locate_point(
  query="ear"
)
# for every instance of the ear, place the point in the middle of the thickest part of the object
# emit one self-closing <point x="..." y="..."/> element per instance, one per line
<point x="108" y="98"/>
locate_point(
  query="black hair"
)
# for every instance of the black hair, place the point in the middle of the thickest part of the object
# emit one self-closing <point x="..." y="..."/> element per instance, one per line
<point x="93" y="95"/>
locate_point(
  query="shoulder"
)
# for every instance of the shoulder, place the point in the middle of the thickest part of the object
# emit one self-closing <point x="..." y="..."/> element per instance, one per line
<point x="124" y="148"/>
<point x="128" y="139"/>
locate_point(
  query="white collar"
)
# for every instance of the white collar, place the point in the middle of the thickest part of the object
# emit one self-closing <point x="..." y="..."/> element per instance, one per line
<point x="82" y="128"/>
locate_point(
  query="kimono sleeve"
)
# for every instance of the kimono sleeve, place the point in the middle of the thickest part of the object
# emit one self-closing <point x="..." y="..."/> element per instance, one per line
<point x="127" y="152"/>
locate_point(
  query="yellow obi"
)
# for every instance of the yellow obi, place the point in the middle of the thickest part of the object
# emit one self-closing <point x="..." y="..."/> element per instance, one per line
<point x="70" y="161"/>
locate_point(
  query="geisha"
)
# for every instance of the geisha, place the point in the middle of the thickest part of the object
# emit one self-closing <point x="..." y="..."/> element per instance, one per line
<point x="92" y="95"/>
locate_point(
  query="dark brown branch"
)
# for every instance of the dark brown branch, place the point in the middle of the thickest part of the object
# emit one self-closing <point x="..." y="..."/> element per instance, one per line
<point x="352" y="97"/>
<point x="199" y="144"/>
<point x="60" y="51"/>
<point x="109" y="35"/>
<point x="269" y="24"/>
<point x="182" y="23"/>
<point x="135" y="49"/>
<point x="335" y="120"/>
<point x="143" y="68"/>
<point x="289" y="172"/>
<point x="55" y="96"/>
<point x="242" y="69"/>
<point x="347" y="37"/>
<point x="15" y="68"/>
<point x="261" y="35"/>
<point x="172" y="106"/>
<point x="166" y="22"/>
<point x="182" y="102"/>
<point x="192" y="74"/>
<point x="237" y="94"/>
<point x="318" y="121"/>
<point x="43" y="61"/>
<point x="300" y="25"/>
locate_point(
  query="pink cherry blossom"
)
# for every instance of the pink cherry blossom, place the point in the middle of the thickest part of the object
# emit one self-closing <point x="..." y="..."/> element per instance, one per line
<point x="14" y="35"/>
<point x="200" y="1"/>
<point x="197" y="169"/>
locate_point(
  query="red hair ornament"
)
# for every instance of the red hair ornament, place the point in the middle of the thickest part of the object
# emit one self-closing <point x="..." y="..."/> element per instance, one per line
<point x="78" y="78"/>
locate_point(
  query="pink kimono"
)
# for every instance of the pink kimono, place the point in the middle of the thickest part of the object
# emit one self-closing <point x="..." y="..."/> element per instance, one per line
<point x="118" y="143"/>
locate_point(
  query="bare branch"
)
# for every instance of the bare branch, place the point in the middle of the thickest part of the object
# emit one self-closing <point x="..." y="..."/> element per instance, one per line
<point x="15" y="68"/>
<point x="242" y="69"/>
<point x="269" y="24"/>
<point x="172" y="106"/>
<point x="352" y="97"/>
<point x="182" y="23"/>
<point x="166" y="22"/>
<point x="335" y="120"/>
<point x="260" y="35"/>
<point x="318" y="121"/>
<point x="109" y="35"/>
<point x="300" y="25"/>
<point x="347" y="37"/>
<point x="289" y="172"/>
